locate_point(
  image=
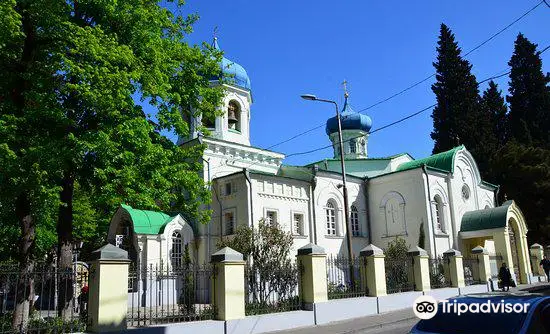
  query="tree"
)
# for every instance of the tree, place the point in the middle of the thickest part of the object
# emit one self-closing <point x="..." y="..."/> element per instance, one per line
<point x="456" y="117"/>
<point x="267" y="250"/>
<point x="398" y="264"/>
<point x="71" y="72"/>
<point x="529" y="95"/>
<point x="493" y="105"/>
<point x="421" y="236"/>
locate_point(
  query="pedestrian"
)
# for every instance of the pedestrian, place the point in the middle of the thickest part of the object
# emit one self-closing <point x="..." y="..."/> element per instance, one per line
<point x="505" y="277"/>
<point x="545" y="264"/>
<point x="83" y="300"/>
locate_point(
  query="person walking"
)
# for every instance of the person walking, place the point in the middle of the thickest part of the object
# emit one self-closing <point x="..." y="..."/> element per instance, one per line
<point x="505" y="277"/>
<point x="545" y="264"/>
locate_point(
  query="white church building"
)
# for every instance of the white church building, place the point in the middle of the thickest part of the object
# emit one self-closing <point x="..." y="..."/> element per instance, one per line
<point x="389" y="197"/>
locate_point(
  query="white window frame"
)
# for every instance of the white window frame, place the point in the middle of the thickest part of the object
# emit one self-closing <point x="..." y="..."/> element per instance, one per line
<point x="233" y="213"/>
<point x="176" y="254"/>
<point x="268" y="220"/>
<point x="331" y="220"/>
<point x="355" y="222"/>
<point x="301" y="230"/>
<point x="439" y="214"/>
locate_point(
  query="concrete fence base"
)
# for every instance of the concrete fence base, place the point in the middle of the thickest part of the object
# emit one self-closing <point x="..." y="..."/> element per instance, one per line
<point x="323" y="313"/>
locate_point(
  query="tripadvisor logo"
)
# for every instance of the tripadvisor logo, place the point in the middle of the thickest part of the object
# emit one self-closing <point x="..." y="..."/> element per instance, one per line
<point x="426" y="307"/>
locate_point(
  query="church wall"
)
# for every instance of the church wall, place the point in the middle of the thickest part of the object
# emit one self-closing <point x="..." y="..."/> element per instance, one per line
<point x="286" y="197"/>
<point x="327" y="189"/>
<point x="398" y="207"/>
<point x="439" y="192"/>
<point x="235" y="202"/>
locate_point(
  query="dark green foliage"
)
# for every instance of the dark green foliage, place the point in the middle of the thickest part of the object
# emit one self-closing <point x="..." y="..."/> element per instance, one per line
<point x="398" y="265"/>
<point x="529" y="95"/>
<point x="456" y="118"/>
<point x="421" y="236"/>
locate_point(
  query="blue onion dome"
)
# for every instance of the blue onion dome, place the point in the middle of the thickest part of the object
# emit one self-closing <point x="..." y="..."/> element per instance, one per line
<point x="234" y="73"/>
<point x="350" y="119"/>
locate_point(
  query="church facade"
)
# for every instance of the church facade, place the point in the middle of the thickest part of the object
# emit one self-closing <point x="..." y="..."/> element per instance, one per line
<point x="389" y="197"/>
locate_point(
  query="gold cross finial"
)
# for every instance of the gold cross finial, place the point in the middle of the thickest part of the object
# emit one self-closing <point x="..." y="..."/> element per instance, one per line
<point x="215" y="32"/>
<point x="345" y="84"/>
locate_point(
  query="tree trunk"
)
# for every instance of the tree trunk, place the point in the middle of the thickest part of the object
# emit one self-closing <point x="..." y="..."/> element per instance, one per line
<point x="25" y="280"/>
<point x="64" y="248"/>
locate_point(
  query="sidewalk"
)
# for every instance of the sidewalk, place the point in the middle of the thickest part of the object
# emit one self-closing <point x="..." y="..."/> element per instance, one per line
<point x="359" y="324"/>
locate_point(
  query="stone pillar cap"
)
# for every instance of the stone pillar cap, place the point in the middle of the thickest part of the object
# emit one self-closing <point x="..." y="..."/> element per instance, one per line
<point x="109" y="252"/>
<point x="417" y="251"/>
<point x="371" y="250"/>
<point x="536" y="246"/>
<point x="226" y="254"/>
<point x="452" y="252"/>
<point x="479" y="250"/>
<point x="311" y="249"/>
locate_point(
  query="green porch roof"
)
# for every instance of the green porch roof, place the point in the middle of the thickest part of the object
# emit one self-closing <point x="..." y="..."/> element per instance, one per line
<point x="485" y="219"/>
<point x="147" y="222"/>
<point x="443" y="161"/>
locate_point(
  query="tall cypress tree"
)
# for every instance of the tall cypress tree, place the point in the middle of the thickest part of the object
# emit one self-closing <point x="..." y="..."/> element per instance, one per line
<point x="457" y="113"/>
<point x="529" y="95"/>
<point x="494" y="111"/>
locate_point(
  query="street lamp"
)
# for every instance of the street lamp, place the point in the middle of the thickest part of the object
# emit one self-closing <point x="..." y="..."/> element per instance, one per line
<point x="311" y="97"/>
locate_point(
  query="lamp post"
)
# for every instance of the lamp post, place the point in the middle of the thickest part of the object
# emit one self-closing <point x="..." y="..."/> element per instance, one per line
<point x="310" y="97"/>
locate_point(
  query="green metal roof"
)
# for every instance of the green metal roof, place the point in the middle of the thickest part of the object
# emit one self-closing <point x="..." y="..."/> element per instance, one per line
<point x="442" y="161"/>
<point x="147" y="222"/>
<point x="485" y="219"/>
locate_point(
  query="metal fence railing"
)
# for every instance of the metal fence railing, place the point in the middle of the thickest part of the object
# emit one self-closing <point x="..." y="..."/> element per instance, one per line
<point x="344" y="278"/>
<point x="162" y="294"/>
<point x="272" y="290"/>
<point x="55" y="300"/>
<point x="471" y="270"/>
<point x="399" y="274"/>
<point x="438" y="277"/>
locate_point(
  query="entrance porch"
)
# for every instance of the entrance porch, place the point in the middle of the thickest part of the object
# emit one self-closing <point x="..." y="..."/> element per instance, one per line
<point x="503" y="232"/>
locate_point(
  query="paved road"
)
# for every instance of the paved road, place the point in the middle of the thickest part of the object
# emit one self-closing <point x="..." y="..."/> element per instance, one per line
<point x="397" y="322"/>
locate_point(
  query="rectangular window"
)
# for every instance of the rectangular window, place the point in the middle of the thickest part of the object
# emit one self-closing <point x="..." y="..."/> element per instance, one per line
<point x="298" y="224"/>
<point x="271" y="217"/>
<point x="354" y="217"/>
<point x="331" y="221"/>
<point x="229" y="222"/>
<point x="228" y="188"/>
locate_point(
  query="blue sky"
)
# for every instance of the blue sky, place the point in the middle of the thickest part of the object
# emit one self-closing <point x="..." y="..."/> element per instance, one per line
<point x="380" y="47"/>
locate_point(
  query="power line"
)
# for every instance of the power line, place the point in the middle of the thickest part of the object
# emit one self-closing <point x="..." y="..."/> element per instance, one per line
<point x="419" y="82"/>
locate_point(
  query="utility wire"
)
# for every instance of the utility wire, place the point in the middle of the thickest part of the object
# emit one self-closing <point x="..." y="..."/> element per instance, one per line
<point x="419" y="82"/>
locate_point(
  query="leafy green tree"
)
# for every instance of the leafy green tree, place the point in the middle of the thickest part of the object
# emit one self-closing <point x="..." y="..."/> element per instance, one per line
<point x="71" y="72"/>
<point x="421" y="236"/>
<point x="529" y="95"/>
<point x="456" y="117"/>
<point x="267" y="249"/>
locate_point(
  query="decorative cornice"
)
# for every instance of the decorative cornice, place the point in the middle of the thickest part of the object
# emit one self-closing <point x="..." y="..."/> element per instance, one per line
<point x="288" y="198"/>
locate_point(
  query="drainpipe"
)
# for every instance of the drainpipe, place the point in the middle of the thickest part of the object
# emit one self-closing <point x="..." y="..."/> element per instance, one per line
<point x="221" y="211"/>
<point x="366" y="185"/>
<point x="430" y="208"/>
<point x="247" y="177"/>
<point x="208" y="228"/>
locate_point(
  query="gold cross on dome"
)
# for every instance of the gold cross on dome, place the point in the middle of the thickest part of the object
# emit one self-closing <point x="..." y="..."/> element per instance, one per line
<point x="345" y="85"/>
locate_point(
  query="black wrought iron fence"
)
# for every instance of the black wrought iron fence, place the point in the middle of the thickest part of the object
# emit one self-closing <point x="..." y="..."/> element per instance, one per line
<point x="43" y="299"/>
<point x="164" y="294"/>
<point x="344" y="278"/>
<point x="271" y="290"/>
<point x="399" y="274"/>
<point x="471" y="270"/>
<point x="438" y="277"/>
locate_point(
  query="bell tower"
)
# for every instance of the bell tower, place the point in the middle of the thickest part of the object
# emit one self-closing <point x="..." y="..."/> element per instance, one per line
<point x="234" y="124"/>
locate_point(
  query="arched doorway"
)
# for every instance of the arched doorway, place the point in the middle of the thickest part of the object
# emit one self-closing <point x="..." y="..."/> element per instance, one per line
<point x="515" y="255"/>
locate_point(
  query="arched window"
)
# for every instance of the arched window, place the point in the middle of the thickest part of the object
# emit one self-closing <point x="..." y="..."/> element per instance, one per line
<point x="330" y="211"/>
<point x="439" y="222"/>
<point x="354" y="218"/>
<point x="352" y="145"/>
<point x="177" y="249"/>
<point x="234" y="116"/>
